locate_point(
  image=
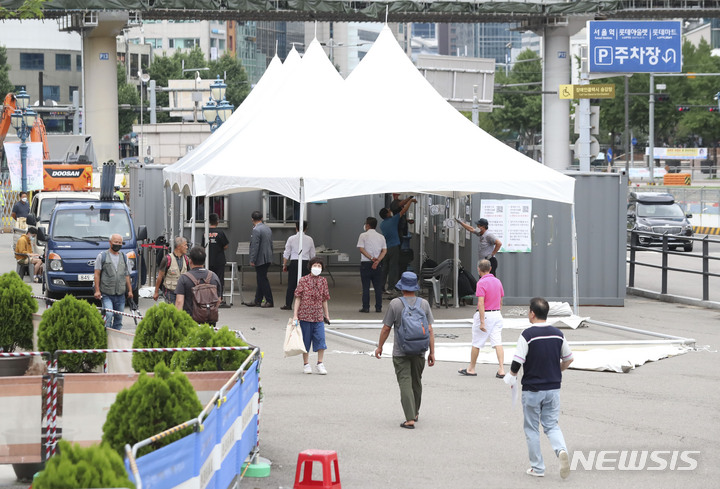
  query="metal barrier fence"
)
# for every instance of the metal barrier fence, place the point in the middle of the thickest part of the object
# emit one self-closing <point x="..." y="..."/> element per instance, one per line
<point x="704" y="256"/>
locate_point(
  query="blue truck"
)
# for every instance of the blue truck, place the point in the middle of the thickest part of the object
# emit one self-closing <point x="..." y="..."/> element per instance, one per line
<point x="77" y="233"/>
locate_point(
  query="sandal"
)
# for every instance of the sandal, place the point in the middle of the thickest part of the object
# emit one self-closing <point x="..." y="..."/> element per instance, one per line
<point x="407" y="426"/>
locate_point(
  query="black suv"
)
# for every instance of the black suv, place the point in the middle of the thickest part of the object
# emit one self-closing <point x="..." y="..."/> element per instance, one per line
<point x="656" y="212"/>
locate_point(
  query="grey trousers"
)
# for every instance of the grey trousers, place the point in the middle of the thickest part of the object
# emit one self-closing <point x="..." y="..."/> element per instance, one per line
<point x="408" y="371"/>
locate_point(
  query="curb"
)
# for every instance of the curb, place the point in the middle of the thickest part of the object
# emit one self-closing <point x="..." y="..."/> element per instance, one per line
<point x="706" y="230"/>
<point x="675" y="299"/>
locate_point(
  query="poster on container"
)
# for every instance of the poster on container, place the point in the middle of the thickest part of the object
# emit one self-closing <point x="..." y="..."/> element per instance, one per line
<point x="34" y="166"/>
<point x="509" y="220"/>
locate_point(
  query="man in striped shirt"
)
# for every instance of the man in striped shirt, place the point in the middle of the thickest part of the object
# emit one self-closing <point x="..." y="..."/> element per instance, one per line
<point x="543" y="353"/>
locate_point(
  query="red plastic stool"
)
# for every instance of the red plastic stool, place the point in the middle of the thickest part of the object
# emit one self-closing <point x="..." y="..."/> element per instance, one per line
<point x="327" y="458"/>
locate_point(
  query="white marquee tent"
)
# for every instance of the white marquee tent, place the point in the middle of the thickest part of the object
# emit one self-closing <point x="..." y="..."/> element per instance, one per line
<point x="384" y="129"/>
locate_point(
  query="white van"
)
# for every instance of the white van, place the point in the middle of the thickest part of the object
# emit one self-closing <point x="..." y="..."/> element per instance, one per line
<point x="44" y="202"/>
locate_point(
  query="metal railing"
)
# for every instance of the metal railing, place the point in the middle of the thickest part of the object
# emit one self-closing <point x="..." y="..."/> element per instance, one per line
<point x="703" y="255"/>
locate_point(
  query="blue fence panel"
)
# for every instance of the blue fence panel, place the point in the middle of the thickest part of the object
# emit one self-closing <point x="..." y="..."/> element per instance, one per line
<point x="168" y="466"/>
<point x="207" y="443"/>
<point x="248" y="407"/>
<point x="228" y="435"/>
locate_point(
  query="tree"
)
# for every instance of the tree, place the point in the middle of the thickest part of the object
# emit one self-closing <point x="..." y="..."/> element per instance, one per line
<point x="6" y="86"/>
<point x="521" y="115"/>
<point x="30" y="9"/>
<point x="127" y="95"/>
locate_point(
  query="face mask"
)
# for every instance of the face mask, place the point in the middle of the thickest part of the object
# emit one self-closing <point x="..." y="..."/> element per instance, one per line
<point x="364" y="227"/>
<point x="316" y="271"/>
<point x="24" y="199"/>
<point x="115" y="247"/>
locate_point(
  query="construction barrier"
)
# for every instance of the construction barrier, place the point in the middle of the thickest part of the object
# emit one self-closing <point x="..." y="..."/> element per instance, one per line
<point x="706" y="230"/>
<point x="676" y="179"/>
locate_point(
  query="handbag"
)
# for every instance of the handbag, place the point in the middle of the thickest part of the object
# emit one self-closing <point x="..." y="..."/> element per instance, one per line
<point x="294" y="344"/>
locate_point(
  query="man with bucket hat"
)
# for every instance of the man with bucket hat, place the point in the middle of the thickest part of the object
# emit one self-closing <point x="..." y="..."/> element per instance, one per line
<point x="412" y="319"/>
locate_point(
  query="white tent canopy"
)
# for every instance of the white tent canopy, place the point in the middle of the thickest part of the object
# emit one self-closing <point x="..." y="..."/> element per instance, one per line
<point x="385" y="129"/>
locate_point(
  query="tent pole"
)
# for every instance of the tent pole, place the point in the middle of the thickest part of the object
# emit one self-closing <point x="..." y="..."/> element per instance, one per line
<point x="207" y="230"/>
<point x="172" y="217"/>
<point x="576" y="307"/>
<point x="192" y="220"/>
<point x="182" y="214"/>
<point x="419" y="228"/>
<point x="301" y="229"/>
<point x="456" y="249"/>
<point x="165" y="212"/>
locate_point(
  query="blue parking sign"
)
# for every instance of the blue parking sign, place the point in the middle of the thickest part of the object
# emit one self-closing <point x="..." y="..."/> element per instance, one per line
<point x="626" y="46"/>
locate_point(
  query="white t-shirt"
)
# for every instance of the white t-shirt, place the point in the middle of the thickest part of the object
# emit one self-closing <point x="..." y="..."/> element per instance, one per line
<point x="373" y="242"/>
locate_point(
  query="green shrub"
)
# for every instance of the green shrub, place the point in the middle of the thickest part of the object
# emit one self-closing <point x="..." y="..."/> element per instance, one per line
<point x="151" y="405"/>
<point x="198" y="361"/>
<point x="73" y="324"/>
<point x="162" y="327"/>
<point x="16" y="309"/>
<point x="83" y="467"/>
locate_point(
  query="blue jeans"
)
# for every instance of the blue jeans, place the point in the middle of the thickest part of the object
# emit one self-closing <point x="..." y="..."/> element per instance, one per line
<point x="116" y="303"/>
<point x="542" y="407"/>
<point x="313" y="333"/>
<point x="367" y="275"/>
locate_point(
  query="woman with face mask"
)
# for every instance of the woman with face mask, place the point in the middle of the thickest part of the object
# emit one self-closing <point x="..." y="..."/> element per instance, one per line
<point x="311" y="309"/>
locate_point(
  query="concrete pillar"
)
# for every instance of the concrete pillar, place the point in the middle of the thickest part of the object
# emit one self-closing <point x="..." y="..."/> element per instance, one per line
<point x="100" y="111"/>
<point x="556" y="112"/>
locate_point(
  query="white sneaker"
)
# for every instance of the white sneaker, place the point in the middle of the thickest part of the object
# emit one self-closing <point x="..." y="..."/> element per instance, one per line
<point x="564" y="464"/>
<point x="307" y="369"/>
<point x="321" y="369"/>
<point x="532" y="472"/>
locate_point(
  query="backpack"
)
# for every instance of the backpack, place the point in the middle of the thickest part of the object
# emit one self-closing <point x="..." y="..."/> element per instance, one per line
<point x="414" y="330"/>
<point x="205" y="300"/>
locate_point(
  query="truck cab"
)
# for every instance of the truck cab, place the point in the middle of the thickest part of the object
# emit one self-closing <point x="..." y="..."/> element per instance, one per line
<point x="76" y="233"/>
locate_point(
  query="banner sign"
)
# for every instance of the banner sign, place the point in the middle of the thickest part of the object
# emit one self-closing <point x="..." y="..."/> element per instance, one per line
<point x="34" y="165"/>
<point x="509" y="221"/>
<point x="679" y="153"/>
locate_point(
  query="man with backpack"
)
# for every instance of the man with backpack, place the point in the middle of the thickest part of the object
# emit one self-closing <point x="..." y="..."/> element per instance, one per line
<point x="198" y="291"/>
<point x="412" y="320"/>
<point x="112" y="281"/>
<point x="171" y="268"/>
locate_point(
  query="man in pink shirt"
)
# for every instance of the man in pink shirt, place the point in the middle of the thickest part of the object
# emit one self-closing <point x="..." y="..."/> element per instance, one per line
<point x="487" y="321"/>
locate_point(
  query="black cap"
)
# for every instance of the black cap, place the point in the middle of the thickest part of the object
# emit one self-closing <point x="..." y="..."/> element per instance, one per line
<point x="482" y="222"/>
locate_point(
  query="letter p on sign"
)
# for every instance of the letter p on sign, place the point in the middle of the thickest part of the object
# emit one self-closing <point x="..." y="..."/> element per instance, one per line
<point x="603" y="55"/>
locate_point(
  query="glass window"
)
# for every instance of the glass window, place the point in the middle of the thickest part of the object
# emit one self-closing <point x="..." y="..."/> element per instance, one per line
<point x="155" y="42"/>
<point x="78" y="225"/>
<point x="183" y="42"/>
<point x="78" y="62"/>
<point x="32" y="61"/>
<point x="221" y="45"/>
<point x="280" y="209"/>
<point x="51" y="92"/>
<point x="63" y="62"/>
<point x="70" y="92"/>
<point x="144" y="62"/>
<point x="218" y="205"/>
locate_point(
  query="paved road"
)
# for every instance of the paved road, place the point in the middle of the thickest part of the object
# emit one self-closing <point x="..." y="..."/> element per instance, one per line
<point x="468" y="435"/>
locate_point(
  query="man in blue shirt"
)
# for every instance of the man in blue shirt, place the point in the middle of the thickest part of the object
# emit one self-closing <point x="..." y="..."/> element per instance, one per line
<point x="389" y="229"/>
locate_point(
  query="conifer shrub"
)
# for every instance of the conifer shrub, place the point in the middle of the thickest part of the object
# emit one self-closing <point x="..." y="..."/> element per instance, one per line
<point x="199" y="361"/>
<point x="162" y="327"/>
<point x="83" y="468"/>
<point x="73" y="324"/>
<point x="16" y="309"/>
<point x="151" y="405"/>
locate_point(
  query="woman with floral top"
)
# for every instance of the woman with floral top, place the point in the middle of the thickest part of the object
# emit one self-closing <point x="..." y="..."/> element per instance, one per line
<point x="311" y="309"/>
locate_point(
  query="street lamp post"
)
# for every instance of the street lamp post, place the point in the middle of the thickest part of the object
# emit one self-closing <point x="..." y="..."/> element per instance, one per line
<point x="23" y="119"/>
<point x="144" y="78"/>
<point x="217" y="110"/>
